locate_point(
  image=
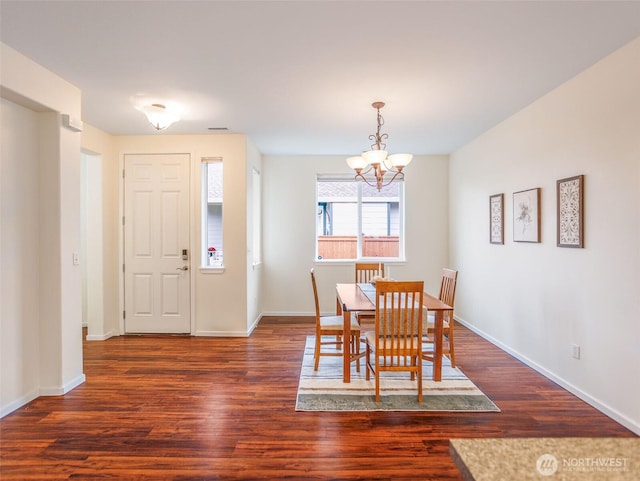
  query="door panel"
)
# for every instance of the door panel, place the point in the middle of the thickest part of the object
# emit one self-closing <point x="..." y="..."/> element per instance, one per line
<point x="156" y="200"/>
<point x="170" y="217"/>
<point x="141" y="224"/>
<point x="142" y="299"/>
<point x="170" y="301"/>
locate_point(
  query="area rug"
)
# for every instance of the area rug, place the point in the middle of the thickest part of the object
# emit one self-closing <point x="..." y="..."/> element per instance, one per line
<point x="323" y="390"/>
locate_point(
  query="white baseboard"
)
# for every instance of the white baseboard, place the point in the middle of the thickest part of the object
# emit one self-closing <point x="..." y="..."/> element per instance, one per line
<point x="60" y="390"/>
<point x="18" y="403"/>
<point x="43" y="391"/>
<point x="254" y="324"/>
<point x="586" y="397"/>
<point x="296" y="314"/>
<point x="221" y="334"/>
<point x="252" y="327"/>
<point x="100" y="337"/>
<point x="74" y="383"/>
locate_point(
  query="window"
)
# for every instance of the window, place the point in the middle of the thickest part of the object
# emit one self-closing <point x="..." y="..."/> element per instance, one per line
<point x="356" y="221"/>
<point x="212" y="247"/>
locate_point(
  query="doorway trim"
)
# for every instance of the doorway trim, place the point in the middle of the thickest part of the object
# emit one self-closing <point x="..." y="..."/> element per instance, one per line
<point x="92" y="246"/>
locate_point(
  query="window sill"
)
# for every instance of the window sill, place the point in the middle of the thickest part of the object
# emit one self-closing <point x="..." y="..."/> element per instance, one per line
<point x="212" y="270"/>
<point x="384" y="260"/>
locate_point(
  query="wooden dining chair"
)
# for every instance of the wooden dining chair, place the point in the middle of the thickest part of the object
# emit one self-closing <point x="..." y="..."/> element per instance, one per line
<point x="365" y="272"/>
<point x="447" y="295"/>
<point x="333" y="326"/>
<point x="396" y="343"/>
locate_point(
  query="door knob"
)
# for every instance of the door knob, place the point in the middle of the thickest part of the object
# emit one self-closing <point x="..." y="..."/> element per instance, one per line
<point x="183" y="268"/>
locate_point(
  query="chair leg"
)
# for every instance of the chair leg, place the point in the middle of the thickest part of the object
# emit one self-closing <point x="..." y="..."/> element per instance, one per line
<point x="367" y="362"/>
<point x="452" y="355"/>
<point x="316" y="353"/>
<point x="355" y="344"/>
<point x="419" y="365"/>
<point x="376" y="372"/>
<point x="413" y="364"/>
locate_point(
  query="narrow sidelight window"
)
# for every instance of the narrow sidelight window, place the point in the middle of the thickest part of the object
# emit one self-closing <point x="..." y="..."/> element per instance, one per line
<point x="212" y="210"/>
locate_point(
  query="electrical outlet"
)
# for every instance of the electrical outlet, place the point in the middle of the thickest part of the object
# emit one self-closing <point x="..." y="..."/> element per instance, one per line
<point x="575" y="351"/>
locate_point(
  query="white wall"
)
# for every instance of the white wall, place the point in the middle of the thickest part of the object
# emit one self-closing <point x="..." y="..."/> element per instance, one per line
<point x="537" y="300"/>
<point x="254" y="269"/>
<point x="100" y="145"/>
<point x="20" y="256"/>
<point x="92" y="236"/>
<point x="42" y="313"/>
<point x="214" y="314"/>
<point x="220" y="299"/>
<point x="289" y="231"/>
<point x="59" y="236"/>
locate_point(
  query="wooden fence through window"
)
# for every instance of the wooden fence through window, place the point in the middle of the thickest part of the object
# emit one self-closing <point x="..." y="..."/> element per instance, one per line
<point x="345" y="247"/>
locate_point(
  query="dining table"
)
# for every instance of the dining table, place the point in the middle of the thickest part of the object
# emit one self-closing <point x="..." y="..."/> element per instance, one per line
<point x="354" y="297"/>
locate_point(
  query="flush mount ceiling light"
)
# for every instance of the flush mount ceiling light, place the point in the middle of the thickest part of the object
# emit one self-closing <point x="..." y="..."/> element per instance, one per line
<point x="159" y="116"/>
<point x="376" y="159"/>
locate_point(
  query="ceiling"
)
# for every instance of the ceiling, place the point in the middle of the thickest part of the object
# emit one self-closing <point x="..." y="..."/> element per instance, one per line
<point x="299" y="77"/>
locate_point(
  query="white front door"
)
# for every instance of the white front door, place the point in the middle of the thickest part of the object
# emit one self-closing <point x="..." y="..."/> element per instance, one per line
<point x="156" y="237"/>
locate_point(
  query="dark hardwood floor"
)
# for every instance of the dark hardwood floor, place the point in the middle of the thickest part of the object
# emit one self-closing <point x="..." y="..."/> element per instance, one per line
<point x="193" y="408"/>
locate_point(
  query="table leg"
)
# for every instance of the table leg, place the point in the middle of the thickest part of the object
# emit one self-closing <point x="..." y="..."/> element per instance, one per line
<point x="437" y="344"/>
<point x="346" y="347"/>
<point x="346" y="341"/>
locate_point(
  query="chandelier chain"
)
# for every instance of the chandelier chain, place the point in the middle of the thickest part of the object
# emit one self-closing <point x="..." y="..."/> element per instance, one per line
<point x="377" y="137"/>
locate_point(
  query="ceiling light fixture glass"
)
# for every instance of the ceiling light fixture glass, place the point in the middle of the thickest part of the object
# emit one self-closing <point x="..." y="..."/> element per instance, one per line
<point x="159" y="116"/>
<point x="376" y="159"/>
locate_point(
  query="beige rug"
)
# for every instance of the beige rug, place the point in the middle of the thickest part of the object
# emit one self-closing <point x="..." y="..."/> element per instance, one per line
<point x="323" y="390"/>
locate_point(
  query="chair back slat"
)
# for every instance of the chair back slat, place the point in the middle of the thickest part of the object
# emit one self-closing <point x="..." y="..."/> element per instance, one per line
<point x="365" y="271"/>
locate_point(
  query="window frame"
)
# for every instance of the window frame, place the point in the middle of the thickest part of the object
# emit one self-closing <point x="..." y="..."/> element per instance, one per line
<point x="204" y="210"/>
<point x="359" y="235"/>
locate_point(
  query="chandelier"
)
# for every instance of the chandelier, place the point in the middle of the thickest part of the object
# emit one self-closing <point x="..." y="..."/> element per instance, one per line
<point x="376" y="159"/>
<point x="159" y="116"/>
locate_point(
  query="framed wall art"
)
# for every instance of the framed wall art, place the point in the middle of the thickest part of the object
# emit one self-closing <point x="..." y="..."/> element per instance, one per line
<point x="570" y="211"/>
<point x="526" y="215"/>
<point x="496" y="219"/>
